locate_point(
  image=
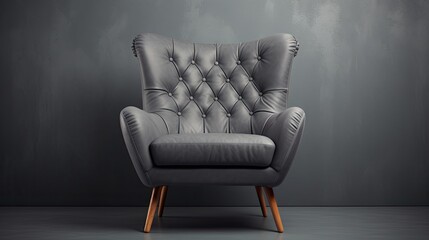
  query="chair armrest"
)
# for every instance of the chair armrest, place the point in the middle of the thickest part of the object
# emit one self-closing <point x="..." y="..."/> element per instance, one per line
<point x="285" y="129"/>
<point x="139" y="129"/>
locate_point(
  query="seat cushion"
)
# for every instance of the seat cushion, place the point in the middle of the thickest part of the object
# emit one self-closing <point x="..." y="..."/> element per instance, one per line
<point x="212" y="150"/>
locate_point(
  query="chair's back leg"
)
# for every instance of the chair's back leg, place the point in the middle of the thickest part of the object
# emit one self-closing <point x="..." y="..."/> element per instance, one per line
<point x="152" y="208"/>
<point x="274" y="208"/>
<point x="162" y="200"/>
<point x="261" y="200"/>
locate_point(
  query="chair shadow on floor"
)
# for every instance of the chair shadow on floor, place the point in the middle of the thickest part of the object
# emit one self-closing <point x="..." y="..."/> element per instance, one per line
<point x="179" y="219"/>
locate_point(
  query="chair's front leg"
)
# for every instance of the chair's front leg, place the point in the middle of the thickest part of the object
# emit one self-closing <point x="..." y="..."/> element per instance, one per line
<point x="152" y="208"/>
<point x="274" y="208"/>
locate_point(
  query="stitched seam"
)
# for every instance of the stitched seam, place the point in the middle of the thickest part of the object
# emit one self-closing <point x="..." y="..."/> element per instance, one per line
<point x="251" y="125"/>
<point x="194" y="52"/>
<point x="165" y="109"/>
<point x="199" y="107"/>
<point x="254" y="104"/>
<point x="245" y="71"/>
<point x="254" y="67"/>
<point x="224" y="108"/>
<point x="235" y="90"/>
<point x="216" y="52"/>
<point x="184" y="83"/>
<point x="178" y="125"/>
<point x="238" y="45"/>
<point x="155" y="89"/>
<point x="233" y="106"/>
<point x="244" y="89"/>
<point x="168" y="130"/>
<point x="243" y="100"/>
<point x="204" y="125"/>
<point x="177" y="105"/>
<point x="207" y="110"/>
<point x="177" y="70"/>
<point x="211" y="89"/>
<point x="229" y="125"/>
<point x="263" y="111"/>
<point x="265" y="124"/>
<point x="185" y="106"/>
<point x="208" y="72"/>
<point x="217" y="95"/>
<point x="217" y="144"/>
<point x="172" y="42"/>
<point x="254" y="85"/>
<point x="276" y="89"/>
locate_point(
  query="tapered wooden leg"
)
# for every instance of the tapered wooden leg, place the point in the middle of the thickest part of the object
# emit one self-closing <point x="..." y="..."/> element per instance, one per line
<point x="152" y="208"/>
<point x="261" y="200"/>
<point x="162" y="200"/>
<point x="274" y="208"/>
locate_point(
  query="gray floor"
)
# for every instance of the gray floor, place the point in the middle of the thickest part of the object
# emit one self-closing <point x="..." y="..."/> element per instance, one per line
<point x="215" y="223"/>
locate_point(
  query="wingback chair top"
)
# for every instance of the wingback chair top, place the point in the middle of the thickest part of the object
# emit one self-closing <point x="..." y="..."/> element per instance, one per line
<point x="213" y="114"/>
<point x="215" y="88"/>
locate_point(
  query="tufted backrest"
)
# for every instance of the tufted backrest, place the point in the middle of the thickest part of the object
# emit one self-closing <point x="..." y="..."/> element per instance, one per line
<point x="223" y="88"/>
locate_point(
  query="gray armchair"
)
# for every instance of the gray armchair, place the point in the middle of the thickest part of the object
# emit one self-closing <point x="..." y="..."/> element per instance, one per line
<point x="213" y="114"/>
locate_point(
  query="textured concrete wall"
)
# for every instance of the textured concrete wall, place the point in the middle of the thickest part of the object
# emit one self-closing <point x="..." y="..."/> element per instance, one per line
<point x="361" y="75"/>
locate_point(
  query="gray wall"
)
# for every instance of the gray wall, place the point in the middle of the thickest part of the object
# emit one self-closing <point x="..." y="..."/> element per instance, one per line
<point x="361" y="75"/>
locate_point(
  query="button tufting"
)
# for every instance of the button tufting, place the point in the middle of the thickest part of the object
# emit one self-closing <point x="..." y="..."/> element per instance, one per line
<point x="238" y="84"/>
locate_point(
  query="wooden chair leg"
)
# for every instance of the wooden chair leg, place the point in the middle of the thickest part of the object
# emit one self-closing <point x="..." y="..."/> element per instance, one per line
<point x="261" y="200"/>
<point x="162" y="200"/>
<point x="274" y="208"/>
<point x="152" y="208"/>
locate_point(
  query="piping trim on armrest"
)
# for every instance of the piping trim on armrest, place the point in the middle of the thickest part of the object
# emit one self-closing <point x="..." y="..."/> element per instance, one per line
<point x="133" y="47"/>
<point x="294" y="46"/>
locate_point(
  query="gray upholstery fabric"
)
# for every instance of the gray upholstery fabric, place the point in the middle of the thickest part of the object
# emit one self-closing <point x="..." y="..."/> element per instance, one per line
<point x="285" y="129"/>
<point x="139" y="129"/>
<point x="227" y="88"/>
<point x="214" y="176"/>
<point x="204" y="89"/>
<point x="212" y="149"/>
